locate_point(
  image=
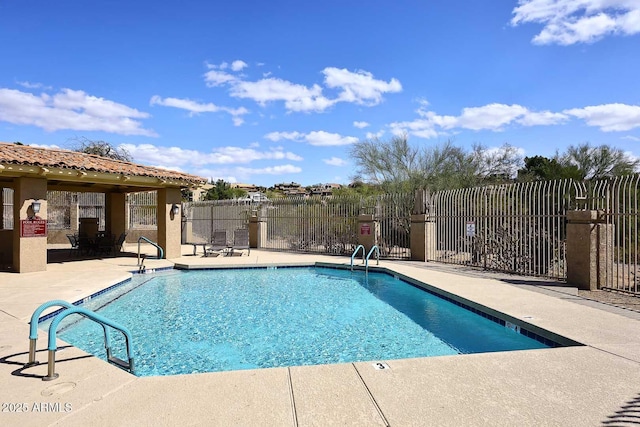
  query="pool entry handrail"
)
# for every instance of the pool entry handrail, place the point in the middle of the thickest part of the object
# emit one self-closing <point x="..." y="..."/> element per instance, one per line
<point x="52" y="347"/>
<point x="160" y="250"/>
<point x="33" y="327"/>
<point x="377" y="251"/>
<point x="353" y="255"/>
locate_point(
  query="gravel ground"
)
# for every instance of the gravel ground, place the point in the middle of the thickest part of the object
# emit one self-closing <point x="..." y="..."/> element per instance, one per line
<point x="610" y="298"/>
<point x="618" y="299"/>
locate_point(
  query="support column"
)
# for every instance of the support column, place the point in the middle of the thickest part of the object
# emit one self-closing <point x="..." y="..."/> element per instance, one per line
<point x="587" y="239"/>
<point x="368" y="231"/>
<point x="422" y="237"/>
<point x="169" y="232"/>
<point x="29" y="253"/>
<point x="257" y="230"/>
<point x="116" y="213"/>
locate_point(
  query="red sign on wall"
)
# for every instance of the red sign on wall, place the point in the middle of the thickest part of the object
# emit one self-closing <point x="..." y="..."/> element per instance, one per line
<point x="365" y="229"/>
<point x="33" y="228"/>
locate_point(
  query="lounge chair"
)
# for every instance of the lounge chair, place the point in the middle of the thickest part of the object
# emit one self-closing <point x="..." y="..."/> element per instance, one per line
<point x="241" y="240"/>
<point x="218" y="243"/>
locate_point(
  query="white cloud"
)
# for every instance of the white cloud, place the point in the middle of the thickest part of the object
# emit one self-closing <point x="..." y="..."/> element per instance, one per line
<point x="181" y="157"/>
<point x="361" y="125"/>
<point x="609" y="117"/>
<point x="359" y="87"/>
<point x="296" y="97"/>
<point x="71" y="110"/>
<point x="195" y="107"/>
<point x="218" y="78"/>
<point x="238" y="65"/>
<point x="317" y="138"/>
<point x="243" y="174"/>
<point x="493" y="117"/>
<point x="322" y="138"/>
<point x="277" y="136"/>
<point x="51" y="146"/>
<point x="373" y="135"/>
<point x="543" y="118"/>
<point x="30" y="85"/>
<point x="335" y="161"/>
<point x="566" y="22"/>
<point x="632" y="138"/>
<point x="271" y="170"/>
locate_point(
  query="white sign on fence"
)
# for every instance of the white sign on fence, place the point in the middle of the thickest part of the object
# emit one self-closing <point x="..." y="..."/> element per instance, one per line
<point x="471" y="229"/>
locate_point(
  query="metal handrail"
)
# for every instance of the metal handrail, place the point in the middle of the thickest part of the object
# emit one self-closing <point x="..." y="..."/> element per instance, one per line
<point x="160" y="250"/>
<point x="104" y="322"/>
<point x="377" y="250"/>
<point x="353" y="255"/>
<point x="33" y="327"/>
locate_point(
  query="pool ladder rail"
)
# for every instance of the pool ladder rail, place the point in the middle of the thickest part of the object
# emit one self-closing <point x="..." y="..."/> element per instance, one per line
<point x="141" y="266"/>
<point x="70" y="309"/>
<point x="365" y="260"/>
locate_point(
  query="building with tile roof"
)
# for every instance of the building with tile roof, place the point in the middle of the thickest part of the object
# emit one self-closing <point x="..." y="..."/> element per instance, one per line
<point x="32" y="171"/>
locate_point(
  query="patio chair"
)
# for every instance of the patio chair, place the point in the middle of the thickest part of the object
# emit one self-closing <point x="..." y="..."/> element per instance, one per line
<point x="105" y="244"/>
<point x="218" y="243"/>
<point x="117" y="247"/>
<point x="75" y="244"/>
<point x="241" y="240"/>
<point x="86" y="245"/>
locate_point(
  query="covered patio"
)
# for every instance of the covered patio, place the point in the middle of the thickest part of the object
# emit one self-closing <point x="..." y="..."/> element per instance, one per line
<point x="31" y="172"/>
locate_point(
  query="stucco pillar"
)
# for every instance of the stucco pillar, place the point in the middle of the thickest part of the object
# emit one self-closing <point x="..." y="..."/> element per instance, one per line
<point x="257" y="231"/>
<point x="30" y="249"/>
<point x="116" y="215"/>
<point x="169" y="232"/>
<point x="368" y="231"/>
<point x="587" y="239"/>
<point x="422" y="237"/>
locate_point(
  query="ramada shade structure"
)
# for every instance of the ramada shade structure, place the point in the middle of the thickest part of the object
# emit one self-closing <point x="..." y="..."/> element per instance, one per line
<point x="32" y="171"/>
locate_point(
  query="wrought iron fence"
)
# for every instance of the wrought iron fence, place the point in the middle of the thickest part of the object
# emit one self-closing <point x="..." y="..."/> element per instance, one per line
<point x="617" y="200"/>
<point x="7" y="208"/>
<point x="92" y="205"/>
<point x="208" y="216"/>
<point x="59" y="209"/>
<point x="313" y="224"/>
<point x="143" y="210"/>
<point x="519" y="228"/>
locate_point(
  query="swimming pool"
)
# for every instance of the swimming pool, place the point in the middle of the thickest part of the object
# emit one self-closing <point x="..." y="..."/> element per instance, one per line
<point x="231" y="319"/>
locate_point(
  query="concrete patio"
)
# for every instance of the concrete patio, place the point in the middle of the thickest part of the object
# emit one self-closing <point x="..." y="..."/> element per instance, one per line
<point x="594" y="384"/>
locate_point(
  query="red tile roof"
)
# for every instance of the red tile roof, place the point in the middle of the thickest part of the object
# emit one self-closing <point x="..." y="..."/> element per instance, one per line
<point x="45" y="157"/>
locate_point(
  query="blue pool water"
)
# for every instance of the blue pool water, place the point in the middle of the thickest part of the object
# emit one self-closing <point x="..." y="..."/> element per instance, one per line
<point x="207" y="321"/>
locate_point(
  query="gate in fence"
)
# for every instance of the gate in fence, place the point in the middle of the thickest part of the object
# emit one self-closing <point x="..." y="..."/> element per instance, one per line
<point x="616" y="201"/>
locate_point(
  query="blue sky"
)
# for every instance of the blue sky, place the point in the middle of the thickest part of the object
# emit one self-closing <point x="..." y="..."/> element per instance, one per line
<point x="267" y="92"/>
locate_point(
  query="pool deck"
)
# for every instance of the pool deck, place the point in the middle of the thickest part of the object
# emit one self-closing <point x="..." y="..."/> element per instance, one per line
<point x="594" y="384"/>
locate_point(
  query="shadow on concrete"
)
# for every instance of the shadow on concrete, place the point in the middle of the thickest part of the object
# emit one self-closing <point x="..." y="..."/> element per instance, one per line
<point x="65" y="255"/>
<point x="628" y="415"/>
<point x="20" y="371"/>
